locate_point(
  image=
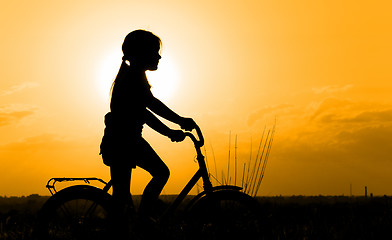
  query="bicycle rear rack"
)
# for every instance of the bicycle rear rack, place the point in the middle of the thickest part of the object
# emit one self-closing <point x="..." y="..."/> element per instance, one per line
<point x="50" y="185"/>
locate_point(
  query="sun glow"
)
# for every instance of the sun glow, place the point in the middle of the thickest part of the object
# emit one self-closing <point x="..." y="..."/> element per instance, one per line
<point x="108" y="70"/>
<point x="163" y="80"/>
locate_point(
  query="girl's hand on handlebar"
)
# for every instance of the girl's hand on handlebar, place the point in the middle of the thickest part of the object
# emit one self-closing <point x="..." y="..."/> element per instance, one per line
<point x="176" y="136"/>
<point x="188" y="124"/>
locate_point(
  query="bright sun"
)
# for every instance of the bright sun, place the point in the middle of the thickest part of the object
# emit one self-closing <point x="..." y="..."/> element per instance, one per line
<point x="163" y="81"/>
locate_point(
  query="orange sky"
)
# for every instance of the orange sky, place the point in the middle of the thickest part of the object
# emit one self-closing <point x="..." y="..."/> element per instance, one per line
<point x="321" y="68"/>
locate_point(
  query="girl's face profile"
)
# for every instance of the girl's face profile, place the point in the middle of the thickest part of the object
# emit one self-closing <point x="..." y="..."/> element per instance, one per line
<point x="151" y="60"/>
<point x="142" y="49"/>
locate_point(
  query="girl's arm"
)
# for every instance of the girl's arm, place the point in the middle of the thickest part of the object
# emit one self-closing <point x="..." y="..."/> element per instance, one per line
<point x="162" y="110"/>
<point x="153" y="122"/>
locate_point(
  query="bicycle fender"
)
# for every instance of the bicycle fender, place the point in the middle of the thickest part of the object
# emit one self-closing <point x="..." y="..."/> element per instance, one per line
<point x="215" y="189"/>
<point x="83" y="190"/>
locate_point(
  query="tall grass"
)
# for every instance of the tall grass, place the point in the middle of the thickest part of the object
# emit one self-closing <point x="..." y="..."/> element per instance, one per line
<point x="253" y="169"/>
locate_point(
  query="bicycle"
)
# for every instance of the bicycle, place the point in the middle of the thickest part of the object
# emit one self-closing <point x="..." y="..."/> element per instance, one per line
<point x="218" y="212"/>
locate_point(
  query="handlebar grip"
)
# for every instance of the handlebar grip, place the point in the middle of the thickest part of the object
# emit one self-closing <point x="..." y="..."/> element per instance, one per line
<point x="200" y="135"/>
<point x="198" y="143"/>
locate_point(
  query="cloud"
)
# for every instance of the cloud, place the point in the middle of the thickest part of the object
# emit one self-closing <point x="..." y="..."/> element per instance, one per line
<point x="32" y="153"/>
<point x="370" y="118"/>
<point x="44" y="141"/>
<point x="348" y="113"/>
<point x="327" y="139"/>
<point x="276" y="110"/>
<point x="383" y="116"/>
<point x="40" y="157"/>
<point x="13" y="114"/>
<point x="326" y="161"/>
<point x="331" y="105"/>
<point x="331" y="89"/>
<point x="333" y="129"/>
<point x="47" y="148"/>
<point x="361" y="145"/>
<point x="18" y="88"/>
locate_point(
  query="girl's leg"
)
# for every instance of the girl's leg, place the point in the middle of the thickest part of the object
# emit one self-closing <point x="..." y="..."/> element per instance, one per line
<point x="121" y="177"/>
<point x="152" y="163"/>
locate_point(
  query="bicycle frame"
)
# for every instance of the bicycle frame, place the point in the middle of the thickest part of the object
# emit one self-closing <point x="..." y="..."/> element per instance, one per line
<point x="201" y="173"/>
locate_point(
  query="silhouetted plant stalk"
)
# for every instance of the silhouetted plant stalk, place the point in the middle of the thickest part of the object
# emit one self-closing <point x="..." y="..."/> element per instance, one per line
<point x="250" y="160"/>
<point x="256" y="160"/>
<point x="228" y="162"/>
<point x="213" y="154"/>
<point x="260" y="161"/>
<point x="265" y="161"/>
<point x="235" y="161"/>
<point x="253" y="170"/>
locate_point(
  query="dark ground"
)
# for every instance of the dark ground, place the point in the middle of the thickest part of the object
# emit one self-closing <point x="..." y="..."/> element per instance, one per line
<point x="296" y="217"/>
<point x="325" y="217"/>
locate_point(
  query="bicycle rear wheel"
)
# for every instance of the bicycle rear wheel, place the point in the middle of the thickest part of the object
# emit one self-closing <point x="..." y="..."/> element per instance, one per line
<point x="77" y="212"/>
<point x="225" y="214"/>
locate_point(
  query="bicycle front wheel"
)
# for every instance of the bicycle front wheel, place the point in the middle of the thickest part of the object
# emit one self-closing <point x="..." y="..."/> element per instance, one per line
<point x="77" y="212"/>
<point x="225" y="214"/>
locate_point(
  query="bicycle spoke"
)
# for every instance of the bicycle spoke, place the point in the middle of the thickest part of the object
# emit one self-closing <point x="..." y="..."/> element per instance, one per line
<point x="77" y="219"/>
<point x="230" y="216"/>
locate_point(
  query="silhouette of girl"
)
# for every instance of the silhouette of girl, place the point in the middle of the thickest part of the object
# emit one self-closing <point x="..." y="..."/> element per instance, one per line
<point x="132" y="105"/>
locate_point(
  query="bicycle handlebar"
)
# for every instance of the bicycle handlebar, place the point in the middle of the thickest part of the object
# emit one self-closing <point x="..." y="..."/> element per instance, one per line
<point x="198" y="143"/>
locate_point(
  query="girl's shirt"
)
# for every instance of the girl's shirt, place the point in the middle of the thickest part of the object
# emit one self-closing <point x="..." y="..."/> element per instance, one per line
<point x="124" y="123"/>
<point x="129" y="102"/>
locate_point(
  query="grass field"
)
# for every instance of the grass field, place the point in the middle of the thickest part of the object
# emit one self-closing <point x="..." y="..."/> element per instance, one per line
<point x="296" y="217"/>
